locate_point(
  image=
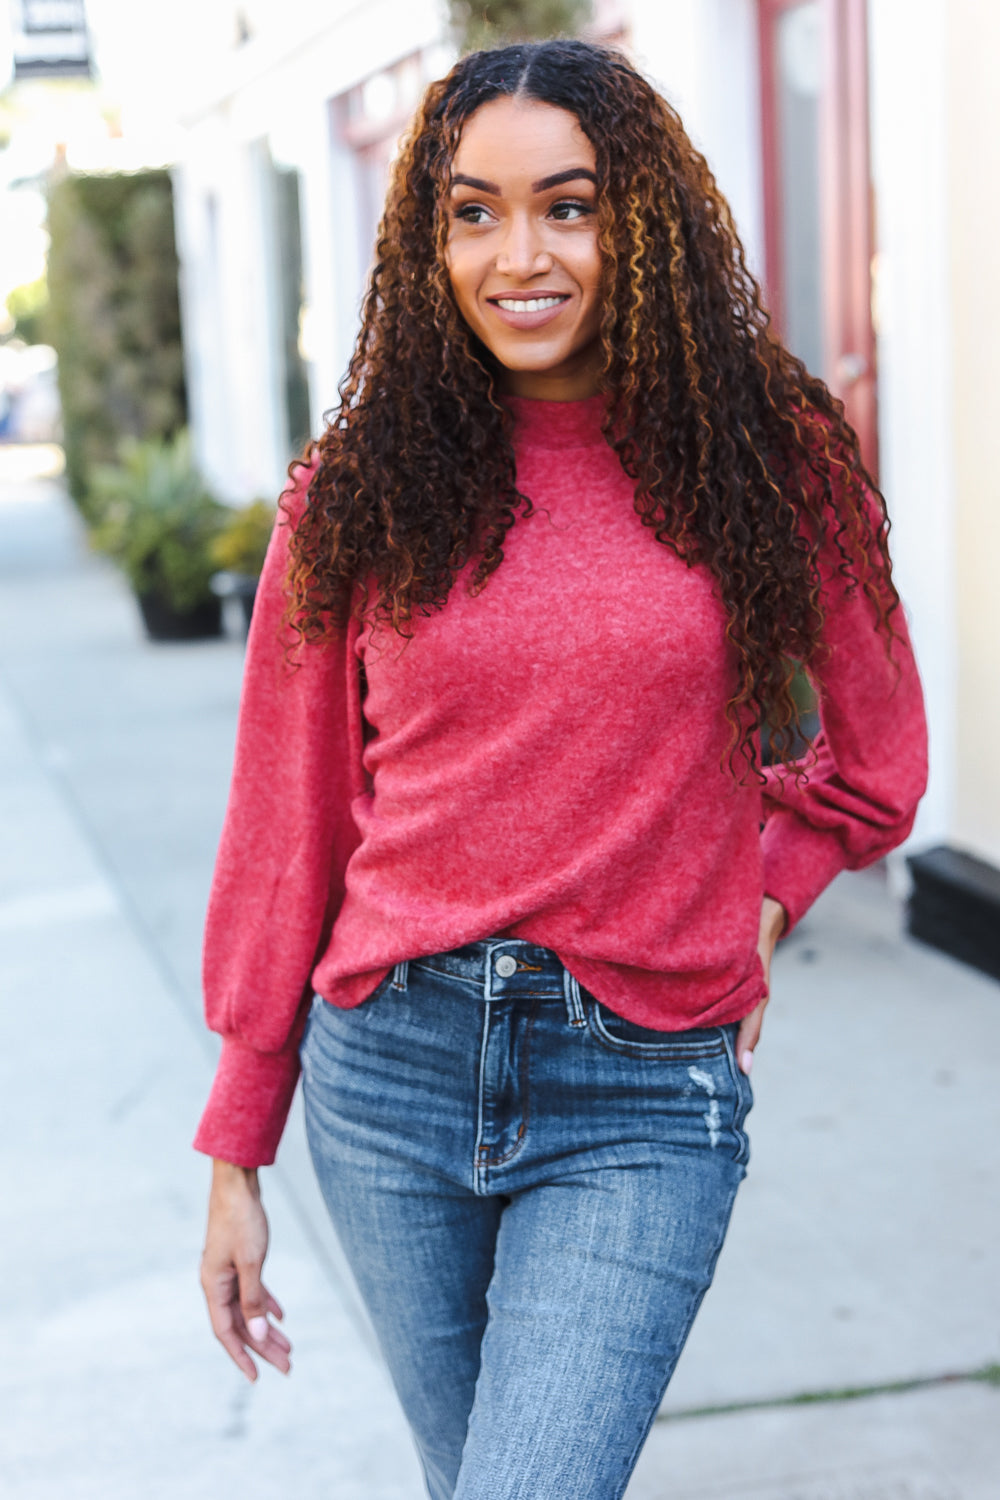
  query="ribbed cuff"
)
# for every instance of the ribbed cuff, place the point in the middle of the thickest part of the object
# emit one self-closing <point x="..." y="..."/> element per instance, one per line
<point x="799" y="862"/>
<point x="248" y="1105"/>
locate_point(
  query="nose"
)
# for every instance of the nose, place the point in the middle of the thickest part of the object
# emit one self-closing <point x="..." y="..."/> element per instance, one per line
<point x="522" y="252"/>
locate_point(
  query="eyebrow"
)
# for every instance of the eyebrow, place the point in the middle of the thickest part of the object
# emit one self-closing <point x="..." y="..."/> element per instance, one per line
<point x="558" y="178"/>
<point x="572" y="174"/>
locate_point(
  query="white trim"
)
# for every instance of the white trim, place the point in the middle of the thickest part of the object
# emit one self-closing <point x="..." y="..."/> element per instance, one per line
<point x="910" y="169"/>
<point x="702" y="55"/>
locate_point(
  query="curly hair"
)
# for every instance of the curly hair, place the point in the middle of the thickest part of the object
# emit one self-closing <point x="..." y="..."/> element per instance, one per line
<point x="742" y="461"/>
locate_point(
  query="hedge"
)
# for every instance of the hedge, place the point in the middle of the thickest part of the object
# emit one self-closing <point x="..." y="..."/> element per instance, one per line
<point x="114" y="316"/>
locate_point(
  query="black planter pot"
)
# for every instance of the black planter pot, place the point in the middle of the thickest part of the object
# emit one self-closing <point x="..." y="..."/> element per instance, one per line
<point x="164" y="623"/>
<point x="241" y="586"/>
<point x="247" y="598"/>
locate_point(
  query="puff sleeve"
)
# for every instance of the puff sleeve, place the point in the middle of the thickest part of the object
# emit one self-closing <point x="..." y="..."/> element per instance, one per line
<point x="279" y="876"/>
<point x="855" y="800"/>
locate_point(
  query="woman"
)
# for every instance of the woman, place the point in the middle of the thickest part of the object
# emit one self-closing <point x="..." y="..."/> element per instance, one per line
<point x="497" y="797"/>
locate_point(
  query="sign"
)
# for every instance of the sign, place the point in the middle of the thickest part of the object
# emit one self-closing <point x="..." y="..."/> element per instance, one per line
<point x="50" y="39"/>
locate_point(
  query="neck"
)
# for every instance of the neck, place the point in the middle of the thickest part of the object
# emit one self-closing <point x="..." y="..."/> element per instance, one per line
<point x="552" y="385"/>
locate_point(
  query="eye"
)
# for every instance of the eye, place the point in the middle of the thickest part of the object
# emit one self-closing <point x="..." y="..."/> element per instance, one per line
<point x="568" y="209"/>
<point x="472" y="213"/>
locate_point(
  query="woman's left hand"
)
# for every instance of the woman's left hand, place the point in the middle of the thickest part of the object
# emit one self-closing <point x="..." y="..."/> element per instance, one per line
<point x="772" y="925"/>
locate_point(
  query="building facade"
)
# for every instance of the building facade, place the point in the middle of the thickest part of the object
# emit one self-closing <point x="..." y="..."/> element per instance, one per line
<point x="856" y="141"/>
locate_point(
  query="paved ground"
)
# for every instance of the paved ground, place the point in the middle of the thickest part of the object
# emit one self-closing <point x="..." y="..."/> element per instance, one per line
<point x="862" y="1254"/>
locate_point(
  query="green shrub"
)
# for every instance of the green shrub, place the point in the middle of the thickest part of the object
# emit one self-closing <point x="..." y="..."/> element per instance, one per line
<point x="241" y="544"/>
<point x="493" y="23"/>
<point x="114" y="316"/>
<point x="154" y="517"/>
<point x="28" y="305"/>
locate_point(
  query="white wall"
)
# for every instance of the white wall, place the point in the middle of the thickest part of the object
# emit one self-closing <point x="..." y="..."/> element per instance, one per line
<point x="702" y="55"/>
<point x="277" y="87"/>
<point x="290" y="97"/>
<point x="973" y="214"/>
<point x="910" y="164"/>
<point x="229" y="356"/>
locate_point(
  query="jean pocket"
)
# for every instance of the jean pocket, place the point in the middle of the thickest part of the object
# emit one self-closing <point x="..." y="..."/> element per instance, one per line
<point x="741" y="1080"/>
<point x="617" y="1034"/>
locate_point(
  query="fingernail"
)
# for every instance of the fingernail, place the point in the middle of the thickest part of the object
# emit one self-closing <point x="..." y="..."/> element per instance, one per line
<point x="258" y="1329"/>
<point x="746" y="1061"/>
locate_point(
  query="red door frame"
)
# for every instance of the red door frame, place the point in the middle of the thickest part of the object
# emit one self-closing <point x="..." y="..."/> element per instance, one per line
<point x="846" y="205"/>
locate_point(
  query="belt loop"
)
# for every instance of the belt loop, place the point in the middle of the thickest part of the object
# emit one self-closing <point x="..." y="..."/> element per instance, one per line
<point x="491" y="948"/>
<point x="574" y="1002"/>
<point x="401" y="975"/>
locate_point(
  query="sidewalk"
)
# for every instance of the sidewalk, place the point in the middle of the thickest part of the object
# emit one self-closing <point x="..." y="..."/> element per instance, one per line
<point x="862" y="1252"/>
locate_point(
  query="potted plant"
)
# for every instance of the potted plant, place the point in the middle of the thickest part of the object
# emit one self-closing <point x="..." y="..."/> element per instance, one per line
<point x="239" y="551"/>
<point x="157" y="521"/>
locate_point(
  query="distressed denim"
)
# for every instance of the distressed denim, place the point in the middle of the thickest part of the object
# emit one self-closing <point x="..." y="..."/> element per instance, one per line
<point x="532" y="1193"/>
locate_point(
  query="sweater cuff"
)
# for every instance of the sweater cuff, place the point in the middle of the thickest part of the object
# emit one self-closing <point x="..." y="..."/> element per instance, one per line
<point x="799" y="862"/>
<point x="248" y="1105"/>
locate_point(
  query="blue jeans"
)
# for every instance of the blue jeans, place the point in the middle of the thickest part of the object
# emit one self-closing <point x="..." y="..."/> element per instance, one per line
<point x="532" y="1194"/>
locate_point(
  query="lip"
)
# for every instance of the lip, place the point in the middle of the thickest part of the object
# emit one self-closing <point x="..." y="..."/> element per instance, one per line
<point x="528" y="320"/>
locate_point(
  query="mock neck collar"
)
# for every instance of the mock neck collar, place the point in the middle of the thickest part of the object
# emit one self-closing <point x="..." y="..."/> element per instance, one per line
<point x="558" y="424"/>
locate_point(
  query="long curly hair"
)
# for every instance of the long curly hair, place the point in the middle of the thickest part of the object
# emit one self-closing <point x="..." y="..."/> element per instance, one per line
<point x="743" y="462"/>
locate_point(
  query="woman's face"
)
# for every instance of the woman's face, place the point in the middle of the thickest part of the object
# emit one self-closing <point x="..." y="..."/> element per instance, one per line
<point x="522" y="250"/>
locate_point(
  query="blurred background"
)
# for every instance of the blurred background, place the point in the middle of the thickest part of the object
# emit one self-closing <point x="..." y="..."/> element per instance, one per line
<point x="857" y="144"/>
<point x="189" y="199"/>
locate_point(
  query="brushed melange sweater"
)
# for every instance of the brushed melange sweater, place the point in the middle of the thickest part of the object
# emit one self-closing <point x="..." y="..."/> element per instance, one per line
<point x="545" y="760"/>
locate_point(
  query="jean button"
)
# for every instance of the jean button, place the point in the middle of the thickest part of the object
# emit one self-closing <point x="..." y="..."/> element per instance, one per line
<point x="506" y="965"/>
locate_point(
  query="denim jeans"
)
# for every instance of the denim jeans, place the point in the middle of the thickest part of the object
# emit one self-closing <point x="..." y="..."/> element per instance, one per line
<point x="532" y="1194"/>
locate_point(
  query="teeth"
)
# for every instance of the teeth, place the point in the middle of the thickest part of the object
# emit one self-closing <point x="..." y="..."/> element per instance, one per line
<point x="533" y="304"/>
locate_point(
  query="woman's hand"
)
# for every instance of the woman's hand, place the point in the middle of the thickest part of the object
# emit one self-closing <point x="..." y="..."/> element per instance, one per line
<point x="231" y="1264"/>
<point x="772" y="924"/>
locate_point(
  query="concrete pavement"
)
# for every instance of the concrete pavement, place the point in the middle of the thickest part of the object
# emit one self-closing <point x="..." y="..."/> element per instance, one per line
<point x="863" y="1249"/>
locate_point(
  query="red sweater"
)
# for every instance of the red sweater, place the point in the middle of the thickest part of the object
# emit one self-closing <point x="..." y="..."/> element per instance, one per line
<point x="545" y="760"/>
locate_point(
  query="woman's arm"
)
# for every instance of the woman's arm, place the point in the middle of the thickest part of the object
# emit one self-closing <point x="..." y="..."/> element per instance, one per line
<point x="279" y="876"/>
<point x="278" y="882"/>
<point x="854" y="798"/>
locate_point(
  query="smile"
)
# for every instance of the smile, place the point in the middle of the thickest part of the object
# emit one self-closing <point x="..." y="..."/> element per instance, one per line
<point x="528" y="304"/>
